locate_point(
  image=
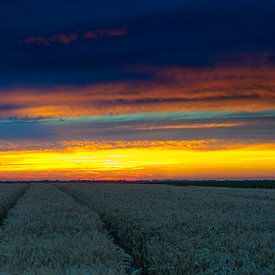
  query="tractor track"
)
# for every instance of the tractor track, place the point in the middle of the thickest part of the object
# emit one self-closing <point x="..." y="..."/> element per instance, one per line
<point x="134" y="269"/>
<point x="5" y="211"/>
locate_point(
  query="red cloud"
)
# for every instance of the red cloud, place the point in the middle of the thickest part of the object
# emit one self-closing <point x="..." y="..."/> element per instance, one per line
<point x="47" y="41"/>
<point x="102" y="33"/>
<point x="68" y="38"/>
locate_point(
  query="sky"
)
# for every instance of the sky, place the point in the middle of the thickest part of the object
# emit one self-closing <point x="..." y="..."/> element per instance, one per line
<point x="136" y="90"/>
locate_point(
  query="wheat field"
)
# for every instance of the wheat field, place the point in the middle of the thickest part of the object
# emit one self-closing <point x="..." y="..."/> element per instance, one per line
<point x="74" y="228"/>
<point x="174" y="230"/>
<point x="48" y="232"/>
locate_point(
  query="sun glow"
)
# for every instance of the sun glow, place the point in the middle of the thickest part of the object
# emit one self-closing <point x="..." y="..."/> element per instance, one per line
<point x="139" y="163"/>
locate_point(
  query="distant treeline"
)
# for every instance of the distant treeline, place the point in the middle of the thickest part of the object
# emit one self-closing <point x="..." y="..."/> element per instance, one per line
<point x="267" y="184"/>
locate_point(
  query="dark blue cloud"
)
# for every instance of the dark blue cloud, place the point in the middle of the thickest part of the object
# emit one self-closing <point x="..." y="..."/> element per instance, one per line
<point x="182" y="33"/>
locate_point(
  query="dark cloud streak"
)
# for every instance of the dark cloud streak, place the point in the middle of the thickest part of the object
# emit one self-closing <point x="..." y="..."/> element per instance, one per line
<point x="68" y="38"/>
<point x="195" y="37"/>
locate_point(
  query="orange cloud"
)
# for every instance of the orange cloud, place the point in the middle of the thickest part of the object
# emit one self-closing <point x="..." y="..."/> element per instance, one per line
<point x="170" y="89"/>
<point x="80" y="145"/>
<point x="189" y="126"/>
<point x="185" y="145"/>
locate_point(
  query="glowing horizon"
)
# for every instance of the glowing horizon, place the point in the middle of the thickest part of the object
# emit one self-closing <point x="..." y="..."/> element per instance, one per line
<point x="155" y="161"/>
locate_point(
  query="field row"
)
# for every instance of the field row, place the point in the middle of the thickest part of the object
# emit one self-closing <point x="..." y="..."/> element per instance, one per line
<point x="9" y="193"/>
<point x="175" y="230"/>
<point x="47" y="232"/>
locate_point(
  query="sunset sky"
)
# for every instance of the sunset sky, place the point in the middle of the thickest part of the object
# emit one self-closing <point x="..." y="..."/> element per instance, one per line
<point x="177" y="89"/>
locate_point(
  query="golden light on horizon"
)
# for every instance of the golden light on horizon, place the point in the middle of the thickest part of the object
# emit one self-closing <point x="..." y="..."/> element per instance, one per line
<point x="140" y="163"/>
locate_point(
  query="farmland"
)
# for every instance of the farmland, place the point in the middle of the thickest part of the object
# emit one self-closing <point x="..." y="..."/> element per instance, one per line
<point x="47" y="231"/>
<point x="98" y="228"/>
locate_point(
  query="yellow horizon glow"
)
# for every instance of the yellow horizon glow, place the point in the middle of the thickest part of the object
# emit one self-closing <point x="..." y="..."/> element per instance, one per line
<point x="139" y="163"/>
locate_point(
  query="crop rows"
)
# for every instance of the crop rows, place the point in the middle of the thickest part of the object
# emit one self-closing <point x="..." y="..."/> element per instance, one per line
<point x="176" y="230"/>
<point x="48" y="232"/>
<point x="9" y="193"/>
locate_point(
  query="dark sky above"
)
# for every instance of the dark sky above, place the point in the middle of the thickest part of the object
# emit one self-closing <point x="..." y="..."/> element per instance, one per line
<point x="150" y="89"/>
<point x="163" y="33"/>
